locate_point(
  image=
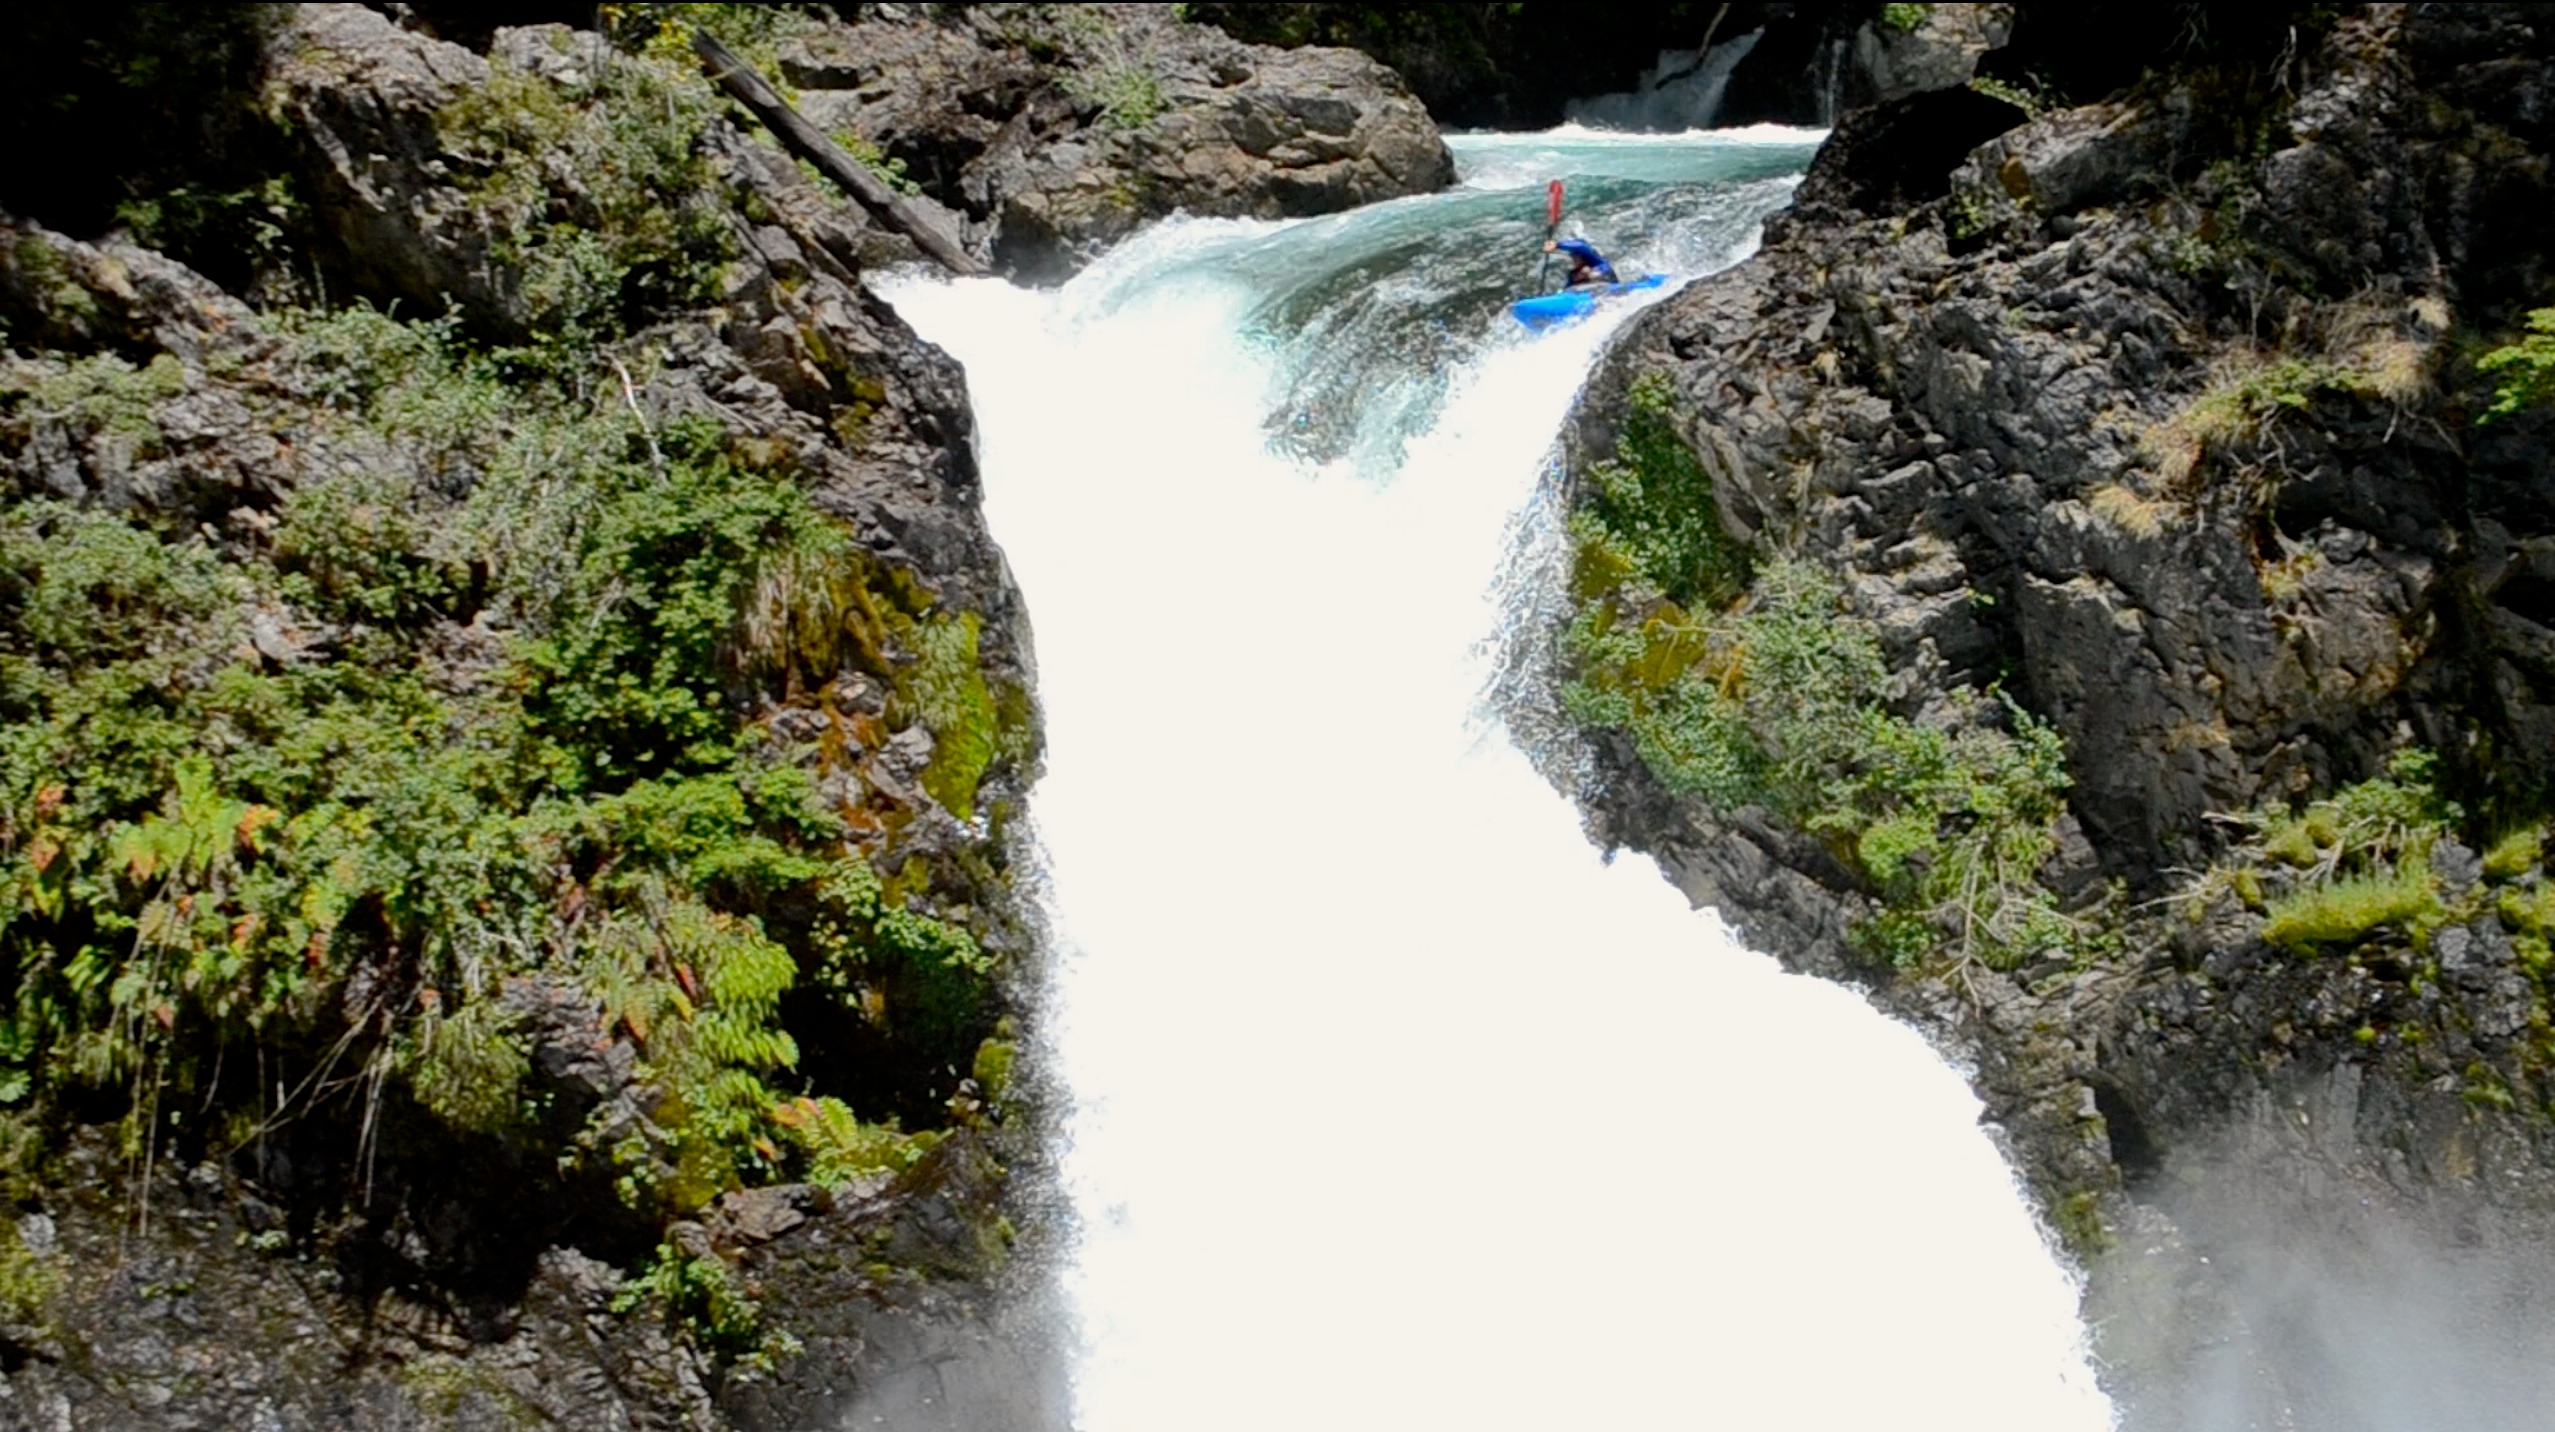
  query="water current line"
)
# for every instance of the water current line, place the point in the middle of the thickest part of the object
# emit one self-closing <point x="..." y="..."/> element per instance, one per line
<point x="1395" y="1105"/>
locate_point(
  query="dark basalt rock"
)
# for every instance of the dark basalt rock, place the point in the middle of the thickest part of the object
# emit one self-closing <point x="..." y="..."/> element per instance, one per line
<point x="1895" y="156"/>
<point x="1956" y="379"/>
<point x="1055" y="141"/>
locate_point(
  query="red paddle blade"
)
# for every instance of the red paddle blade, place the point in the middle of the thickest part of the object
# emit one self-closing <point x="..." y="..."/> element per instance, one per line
<point x="1552" y="203"/>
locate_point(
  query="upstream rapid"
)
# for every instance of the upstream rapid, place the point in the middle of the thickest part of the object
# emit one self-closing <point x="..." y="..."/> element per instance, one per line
<point x="1393" y="1103"/>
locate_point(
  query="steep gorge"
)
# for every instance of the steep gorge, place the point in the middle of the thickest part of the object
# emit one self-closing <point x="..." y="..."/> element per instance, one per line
<point x="2150" y="432"/>
<point x="2108" y="459"/>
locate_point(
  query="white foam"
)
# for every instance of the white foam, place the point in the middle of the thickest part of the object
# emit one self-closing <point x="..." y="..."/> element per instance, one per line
<point x="1395" y="1105"/>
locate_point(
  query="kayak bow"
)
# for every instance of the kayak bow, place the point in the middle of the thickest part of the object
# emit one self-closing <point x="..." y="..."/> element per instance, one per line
<point x="1551" y="310"/>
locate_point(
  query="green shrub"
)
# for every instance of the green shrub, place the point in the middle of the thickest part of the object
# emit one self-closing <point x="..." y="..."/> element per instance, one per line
<point x="2347" y="910"/>
<point x="2340" y="869"/>
<point x="839" y="1148"/>
<point x="1773" y="696"/>
<point x="953" y="701"/>
<point x="1903" y="19"/>
<point x="701" y="1294"/>
<point x="605" y="204"/>
<point x="28" y="1280"/>
<point x="1650" y="511"/>
<point x="2524" y="371"/>
<point x="2033" y="98"/>
<point x="510" y="742"/>
<point x="1128" y="92"/>
<point x="2516" y="853"/>
<point x="1782" y="704"/>
<point x="889" y="169"/>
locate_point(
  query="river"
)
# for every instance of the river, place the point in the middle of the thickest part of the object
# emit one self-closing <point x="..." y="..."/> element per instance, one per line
<point x="1393" y="1102"/>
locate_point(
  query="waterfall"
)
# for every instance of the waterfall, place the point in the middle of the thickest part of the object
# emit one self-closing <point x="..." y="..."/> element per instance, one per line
<point x="1394" y="1103"/>
<point x="1682" y="91"/>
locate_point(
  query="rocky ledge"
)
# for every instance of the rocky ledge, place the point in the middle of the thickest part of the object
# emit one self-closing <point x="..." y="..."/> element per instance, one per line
<point x="2070" y="584"/>
<point x="1058" y="130"/>
<point x="517" y="724"/>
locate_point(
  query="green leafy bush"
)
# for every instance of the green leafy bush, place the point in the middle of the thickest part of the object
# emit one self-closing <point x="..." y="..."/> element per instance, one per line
<point x="1757" y="689"/>
<point x="2524" y="371"/>
<point x="622" y="219"/>
<point x="506" y="735"/>
<point x="2337" y="870"/>
<point x="2516" y="853"/>
<point x="699" y="1292"/>
<point x="1903" y="19"/>
<point x="28" y="1280"/>
<point x="1650" y="512"/>
<point x="1782" y="704"/>
<point x="1127" y="91"/>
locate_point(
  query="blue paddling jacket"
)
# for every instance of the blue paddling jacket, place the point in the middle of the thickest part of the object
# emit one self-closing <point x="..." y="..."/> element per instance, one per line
<point x="1586" y="264"/>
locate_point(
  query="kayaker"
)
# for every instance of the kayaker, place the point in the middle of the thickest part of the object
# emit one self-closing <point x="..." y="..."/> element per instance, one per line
<point x="1586" y="264"/>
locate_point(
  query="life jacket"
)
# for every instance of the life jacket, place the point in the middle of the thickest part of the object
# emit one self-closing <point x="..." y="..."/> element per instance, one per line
<point x="1586" y="262"/>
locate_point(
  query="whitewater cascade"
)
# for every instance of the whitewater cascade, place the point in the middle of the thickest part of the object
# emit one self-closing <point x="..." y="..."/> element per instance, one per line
<point x="1394" y="1104"/>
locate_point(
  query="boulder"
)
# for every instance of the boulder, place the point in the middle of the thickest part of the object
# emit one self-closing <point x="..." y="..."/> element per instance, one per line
<point x="1941" y="51"/>
<point x="1065" y="140"/>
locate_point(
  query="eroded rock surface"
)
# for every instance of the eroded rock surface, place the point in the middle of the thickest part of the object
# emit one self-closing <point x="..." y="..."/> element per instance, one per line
<point x="328" y="1274"/>
<point x="1057" y="135"/>
<point x="2155" y="412"/>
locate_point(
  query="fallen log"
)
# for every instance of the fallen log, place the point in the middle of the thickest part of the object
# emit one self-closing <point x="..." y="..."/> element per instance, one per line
<point x="809" y="143"/>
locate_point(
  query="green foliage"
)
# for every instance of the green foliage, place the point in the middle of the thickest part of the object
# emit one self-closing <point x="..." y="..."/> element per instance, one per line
<point x="468" y="1068"/>
<point x="121" y="111"/>
<point x="1903" y="19"/>
<point x="869" y="945"/>
<point x="2033" y="100"/>
<point x="102" y="392"/>
<point x="2248" y="396"/>
<point x="1650" y="511"/>
<point x="28" y="1280"/>
<point x="2253" y="394"/>
<point x="992" y="1067"/>
<point x="2337" y="870"/>
<point x="889" y="169"/>
<point x="621" y="217"/>
<point x="2078" y="1219"/>
<point x="948" y="683"/>
<point x="1782" y="705"/>
<point x="2523" y="371"/>
<point x="664" y="31"/>
<point x="2364" y="826"/>
<point x="508" y="740"/>
<point x="2516" y="853"/>
<point x="2344" y="911"/>
<point x="1127" y="91"/>
<point x="839" y="1149"/>
<point x="702" y="1295"/>
<point x="256" y="219"/>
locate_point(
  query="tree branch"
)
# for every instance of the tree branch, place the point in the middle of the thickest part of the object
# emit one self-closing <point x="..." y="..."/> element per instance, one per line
<point x="808" y="142"/>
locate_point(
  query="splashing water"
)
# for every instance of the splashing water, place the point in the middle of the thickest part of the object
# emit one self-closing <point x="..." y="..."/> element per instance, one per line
<point x="1394" y="1104"/>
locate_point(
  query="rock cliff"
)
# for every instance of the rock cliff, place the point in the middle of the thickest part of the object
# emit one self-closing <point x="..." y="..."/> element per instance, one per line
<point x="515" y="720"/>
<point x="1056" y="133"/>
<point x="2142" y="436"/>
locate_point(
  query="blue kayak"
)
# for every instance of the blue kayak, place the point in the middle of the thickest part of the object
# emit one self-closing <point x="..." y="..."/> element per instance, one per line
<point x="1552" y="310"/>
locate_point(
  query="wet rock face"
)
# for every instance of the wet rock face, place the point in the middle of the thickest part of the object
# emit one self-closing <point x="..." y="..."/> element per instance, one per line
<point x="216" y="1317"/>
<point x="471" y="1285"/>
<point x="2151" y="411"/>
<point x="1062" y="140"/>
